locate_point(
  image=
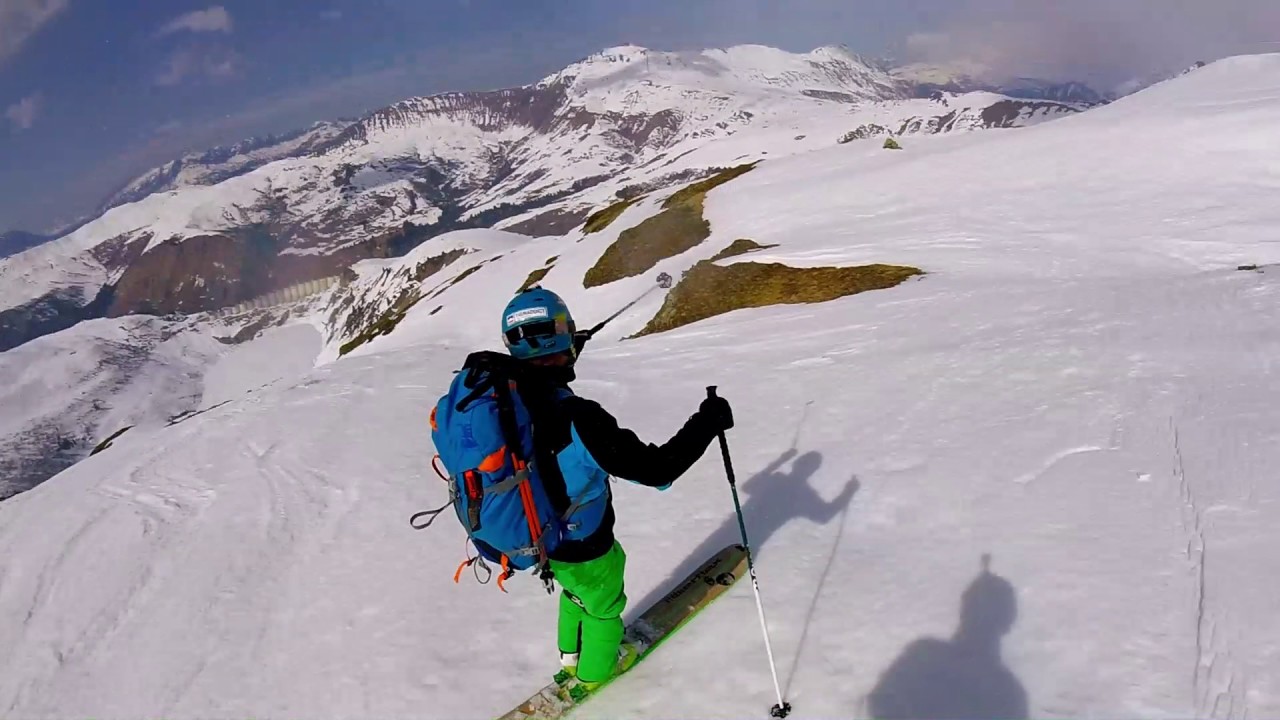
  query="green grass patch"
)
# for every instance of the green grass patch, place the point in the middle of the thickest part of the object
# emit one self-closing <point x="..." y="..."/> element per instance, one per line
<point x="107" y="443"/>
<point x="534" y="278"/>
<point x="384" y="325"/>
<point x="741" y="246"/>
<point x="433" y="265"/>
<point x="463" y="276"/>
<point x="387" y="322"/>
<point x="678" y="228"/>
<point x="602" y="219"/>
<point x="698" y="191"/>
<point x="708" y="289"/>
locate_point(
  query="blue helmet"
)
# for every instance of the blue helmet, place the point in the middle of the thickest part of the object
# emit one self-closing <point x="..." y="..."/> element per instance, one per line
<point x="536" y="323"/>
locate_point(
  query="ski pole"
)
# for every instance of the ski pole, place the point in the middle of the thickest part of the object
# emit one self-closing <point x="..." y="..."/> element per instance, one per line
<point x="783" y="708"/>
<point x="664" y="282"/>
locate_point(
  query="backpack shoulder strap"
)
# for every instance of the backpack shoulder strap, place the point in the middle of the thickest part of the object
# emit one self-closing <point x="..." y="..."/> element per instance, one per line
<point x="488" y="371"/>
<point x="480" y="372"/>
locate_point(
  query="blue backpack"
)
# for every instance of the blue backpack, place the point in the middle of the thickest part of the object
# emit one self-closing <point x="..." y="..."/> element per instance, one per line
<point x="483" y="435"/>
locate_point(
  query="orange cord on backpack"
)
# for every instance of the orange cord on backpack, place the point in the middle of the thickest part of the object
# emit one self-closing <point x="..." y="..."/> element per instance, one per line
<point x="457" y="575"/>
<point x="531" y="515"/>
<point x="506" y="573"/>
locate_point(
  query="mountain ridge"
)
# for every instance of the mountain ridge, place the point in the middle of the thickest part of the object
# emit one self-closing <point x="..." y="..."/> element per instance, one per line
<point x="538" y="156"/>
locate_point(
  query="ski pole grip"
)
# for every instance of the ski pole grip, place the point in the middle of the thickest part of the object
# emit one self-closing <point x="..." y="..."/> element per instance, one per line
<point x="724" y="449"/>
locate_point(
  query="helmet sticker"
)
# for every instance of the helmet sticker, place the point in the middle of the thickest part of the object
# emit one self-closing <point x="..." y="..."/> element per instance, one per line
<point x="533" y="313"/>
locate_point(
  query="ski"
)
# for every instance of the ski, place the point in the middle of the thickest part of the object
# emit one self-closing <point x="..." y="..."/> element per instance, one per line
<point x="657" y="623"/>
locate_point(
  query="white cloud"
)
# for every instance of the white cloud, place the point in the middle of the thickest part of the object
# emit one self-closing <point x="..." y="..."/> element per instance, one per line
<point x="214" y="19"/>
<point x="20" y="19"/>
<point x="216" y="63"/>
<point x="23" y="113"/>
<point x="1104" y="41"/>
<point x="169" y="127"/>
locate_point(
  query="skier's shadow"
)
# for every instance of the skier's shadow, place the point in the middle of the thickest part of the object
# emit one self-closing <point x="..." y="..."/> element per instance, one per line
<point x="963" y="678"/>
<point x="770" y="499"/>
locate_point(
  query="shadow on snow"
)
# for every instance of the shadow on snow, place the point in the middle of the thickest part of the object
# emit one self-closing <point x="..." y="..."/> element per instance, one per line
<point x="963" y="678"/>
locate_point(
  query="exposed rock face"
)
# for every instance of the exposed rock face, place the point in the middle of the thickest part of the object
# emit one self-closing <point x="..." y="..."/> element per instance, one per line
<point x="862" y="132"/>
<point x="1008" y="112"/>
<point x="552" y="222"/>
<point x="1002" y="113"/>
<point x="216" y="271"/>
<point x="49" y="313"/>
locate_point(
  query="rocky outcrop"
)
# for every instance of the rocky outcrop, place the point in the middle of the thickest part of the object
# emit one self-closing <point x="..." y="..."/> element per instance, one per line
<point x="862" y="132"/>
<point x="217" y="271"/>
<point x="533" y="107"/>
<point x="552" y="222"/>
<point x="1004" y="113"/>
<point x="48" y="314"/>
<point x="1008" y="113"/>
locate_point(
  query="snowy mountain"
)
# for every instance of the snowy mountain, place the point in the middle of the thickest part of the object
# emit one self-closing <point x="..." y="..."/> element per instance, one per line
<point x="536" y="159"/>
<point x="1068" y="92"/>
<point x="1142" y="83"/>
<point x="925" y="79"/>
<point x="16" y="241"/>
<point x="222" y="163"/>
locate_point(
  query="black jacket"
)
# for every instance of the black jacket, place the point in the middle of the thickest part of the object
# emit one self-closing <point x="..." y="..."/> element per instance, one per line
<point x="618" y="451"/>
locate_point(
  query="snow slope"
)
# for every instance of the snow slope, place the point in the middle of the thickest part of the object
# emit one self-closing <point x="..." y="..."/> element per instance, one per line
<point x="65" y="393"/>
<point x="1079" y="396"/>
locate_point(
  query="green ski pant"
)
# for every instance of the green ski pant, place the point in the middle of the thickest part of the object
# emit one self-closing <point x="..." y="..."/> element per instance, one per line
<point x="591" y="606"/>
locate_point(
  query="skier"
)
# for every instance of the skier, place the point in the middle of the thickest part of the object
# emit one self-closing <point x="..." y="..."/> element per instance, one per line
<point x="577" y="447"/>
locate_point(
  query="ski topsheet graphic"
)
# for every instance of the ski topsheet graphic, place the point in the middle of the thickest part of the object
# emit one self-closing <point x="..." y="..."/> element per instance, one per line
<point x="657" y="623"/>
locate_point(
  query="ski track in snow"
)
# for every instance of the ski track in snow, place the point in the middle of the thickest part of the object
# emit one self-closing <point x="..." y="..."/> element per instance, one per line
<point x="1039" y="481"/>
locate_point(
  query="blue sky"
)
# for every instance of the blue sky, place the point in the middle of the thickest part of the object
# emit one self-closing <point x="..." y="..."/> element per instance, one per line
<point x="94" y="92"/>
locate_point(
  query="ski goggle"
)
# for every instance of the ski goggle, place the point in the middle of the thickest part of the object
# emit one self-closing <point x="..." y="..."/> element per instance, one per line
<point x="532" y="333"/>
<point x="535" y="334"/>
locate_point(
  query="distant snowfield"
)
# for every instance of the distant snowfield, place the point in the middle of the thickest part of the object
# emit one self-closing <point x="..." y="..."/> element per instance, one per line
<point x="278" y="355"/>
<point x="1082" y="391"/>
<point x="63" y="394"/>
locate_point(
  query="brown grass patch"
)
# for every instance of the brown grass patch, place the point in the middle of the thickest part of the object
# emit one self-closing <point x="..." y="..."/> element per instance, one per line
<point x="741" y="246"/>
<point x="602" y="219"/>
<point x="678" y="228"/>
<point x="708" y="289"/>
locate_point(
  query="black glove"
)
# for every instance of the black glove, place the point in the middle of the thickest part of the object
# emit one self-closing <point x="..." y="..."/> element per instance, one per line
<point x="717" y="413"/>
